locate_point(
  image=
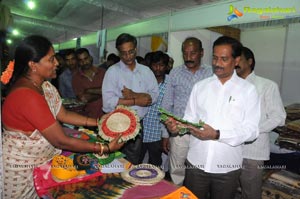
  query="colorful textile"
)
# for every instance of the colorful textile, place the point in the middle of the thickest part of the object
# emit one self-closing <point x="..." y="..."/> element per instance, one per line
<point x="43" y="180"/>
<point x="181" y="193"/>
<point x="22" y="153"/>
<point x="113" y="187"/>
<point x="281" y="185"/>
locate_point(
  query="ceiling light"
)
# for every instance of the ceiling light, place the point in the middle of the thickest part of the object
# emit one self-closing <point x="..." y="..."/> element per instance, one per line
<point x="9" y="41"/>
<point x="15" y="32"/>
<point x="31" y="5"/>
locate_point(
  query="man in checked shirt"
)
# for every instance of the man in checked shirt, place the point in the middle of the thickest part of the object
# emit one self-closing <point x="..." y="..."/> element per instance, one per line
<point x="179" y="87"/>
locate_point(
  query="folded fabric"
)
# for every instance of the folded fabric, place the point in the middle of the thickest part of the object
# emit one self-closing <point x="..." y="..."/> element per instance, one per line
<point x="294" y="125"/>
<point x="180" y="193"/>
<point x="281" y="185"/>
<point x="62" y="168"/>
<point x="43" y="179"/>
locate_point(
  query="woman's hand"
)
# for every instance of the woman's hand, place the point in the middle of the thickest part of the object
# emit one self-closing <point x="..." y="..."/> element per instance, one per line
<point x="115" y="144"/>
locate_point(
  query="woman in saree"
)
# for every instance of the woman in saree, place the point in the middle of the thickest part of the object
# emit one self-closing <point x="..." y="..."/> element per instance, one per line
<point x="31" y="116"/>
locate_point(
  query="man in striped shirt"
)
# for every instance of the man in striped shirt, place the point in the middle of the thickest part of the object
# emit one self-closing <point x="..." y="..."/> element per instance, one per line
<point x="179" y="87"/>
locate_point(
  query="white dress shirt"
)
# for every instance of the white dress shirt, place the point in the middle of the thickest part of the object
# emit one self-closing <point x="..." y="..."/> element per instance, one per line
<point x="272" y="115"/>
<point x="234" y="109"/>
<point x="140" y="80"/>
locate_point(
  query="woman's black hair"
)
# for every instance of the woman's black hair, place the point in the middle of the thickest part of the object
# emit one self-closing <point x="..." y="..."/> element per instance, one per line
<point x="32" y="48"/>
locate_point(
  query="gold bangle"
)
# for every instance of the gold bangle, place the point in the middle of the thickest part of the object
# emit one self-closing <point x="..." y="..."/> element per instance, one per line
<point x="101" y="149"/>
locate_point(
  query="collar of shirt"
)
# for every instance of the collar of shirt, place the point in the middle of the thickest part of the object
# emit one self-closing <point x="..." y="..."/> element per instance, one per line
<point x="233" y="78"/>
<point x="251" y="77"/>
<point x="124" y="67"/>
<point x="90" y="78"/>
<point x="200" y="69"/>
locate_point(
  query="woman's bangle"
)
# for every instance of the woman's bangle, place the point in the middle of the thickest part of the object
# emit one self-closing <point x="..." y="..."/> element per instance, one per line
<point x="101" y="149"/>
<point x="108" y="149"/>
<point x="86" y="120"/>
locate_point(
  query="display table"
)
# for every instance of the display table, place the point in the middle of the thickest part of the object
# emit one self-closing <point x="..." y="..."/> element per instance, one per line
<point x="109" y="186"/>
<point x="106" y="183"/>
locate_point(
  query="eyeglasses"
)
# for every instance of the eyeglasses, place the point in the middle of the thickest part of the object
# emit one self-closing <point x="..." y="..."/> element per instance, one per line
<point x="127" y="53"/>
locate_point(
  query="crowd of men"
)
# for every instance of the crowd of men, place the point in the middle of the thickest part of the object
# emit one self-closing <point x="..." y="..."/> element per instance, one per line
<point x="238" y="108"/>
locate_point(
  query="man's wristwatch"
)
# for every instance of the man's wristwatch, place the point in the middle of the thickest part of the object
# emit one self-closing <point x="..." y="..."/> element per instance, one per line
<point x="218" y="134"/>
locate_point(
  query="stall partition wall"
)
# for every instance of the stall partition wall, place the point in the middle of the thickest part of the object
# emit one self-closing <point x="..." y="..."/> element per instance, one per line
<point x="144" y="44"/>
<point x="290" y="85"/>
<point x="277" y="57"/>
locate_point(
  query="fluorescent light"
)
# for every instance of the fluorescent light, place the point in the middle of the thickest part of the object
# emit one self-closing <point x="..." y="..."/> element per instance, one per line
<point x="15" y="32"/>
<point x="31" y="5"/>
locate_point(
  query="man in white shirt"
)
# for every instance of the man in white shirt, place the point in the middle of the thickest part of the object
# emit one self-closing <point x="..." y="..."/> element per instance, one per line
<point x="272" y="115"/>
<point x="130" y="84"/>
<point x="230" y="108"/>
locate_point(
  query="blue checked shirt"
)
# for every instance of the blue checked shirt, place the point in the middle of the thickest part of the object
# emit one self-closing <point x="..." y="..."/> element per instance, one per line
<point x="152" y="127"/>
<point x="179" y="88"/>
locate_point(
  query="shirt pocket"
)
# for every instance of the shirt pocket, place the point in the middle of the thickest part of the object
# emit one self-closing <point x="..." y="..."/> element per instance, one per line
<point x="236" y="111"/>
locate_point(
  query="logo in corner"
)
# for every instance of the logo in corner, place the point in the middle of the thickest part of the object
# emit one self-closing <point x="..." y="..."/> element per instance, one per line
<point x="233" y="13"/>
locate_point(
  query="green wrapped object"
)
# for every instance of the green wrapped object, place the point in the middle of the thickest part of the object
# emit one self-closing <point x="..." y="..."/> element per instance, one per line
<point x="164" y="115"/>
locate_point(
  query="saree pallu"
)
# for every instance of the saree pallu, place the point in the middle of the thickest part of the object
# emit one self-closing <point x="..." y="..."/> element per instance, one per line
<point x="21" y="153"/>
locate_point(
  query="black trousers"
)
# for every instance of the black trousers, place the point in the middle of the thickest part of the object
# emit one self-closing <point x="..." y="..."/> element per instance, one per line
<point x="154" y="150"/>
<point x="133" y="148"/>
<point x="211" y="185"/>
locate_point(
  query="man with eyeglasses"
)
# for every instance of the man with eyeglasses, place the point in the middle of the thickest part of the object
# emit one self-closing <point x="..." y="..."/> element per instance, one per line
<point x="131" y="84"/>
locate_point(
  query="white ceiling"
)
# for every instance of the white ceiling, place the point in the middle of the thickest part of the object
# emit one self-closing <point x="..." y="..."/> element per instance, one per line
<point x="62" y="20"/>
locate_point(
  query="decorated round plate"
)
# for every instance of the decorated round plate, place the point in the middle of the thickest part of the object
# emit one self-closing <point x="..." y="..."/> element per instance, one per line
<point x="123" y="120"/>
<point x="105" y="159"/>
<point x="143" y="174"/>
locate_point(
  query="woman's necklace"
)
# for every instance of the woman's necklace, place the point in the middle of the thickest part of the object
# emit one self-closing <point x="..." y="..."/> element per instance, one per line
<point x="39" y="87"/>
